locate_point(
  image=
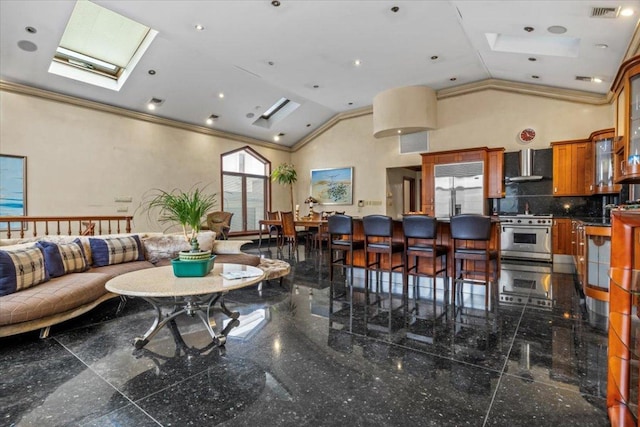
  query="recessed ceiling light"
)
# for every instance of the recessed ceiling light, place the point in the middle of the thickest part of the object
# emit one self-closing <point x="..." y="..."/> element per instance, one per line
<point x="532" y="59"/>
<point x="275" y="3"/>
<point x="557" y="29"/>
<point x="453" y="79"/>
<point x="434" y="57"/>
<point x="350" y="103"/>
<point x="276" y="138"/>
<point x="27" y="46"/>
<point x="199" y="27"/>
<point x="316" y="86"/>
<point x="357" y="62"/>
<point x="250" y="115"/>
<point x="154" y="103"/>
<point x="528" y="29"/>
<point x="626" y="12"/>
<point x="596" y="80"/>
<point x="31" y="30"/>
<point x="399" y="130"/>
<point x="221" y="95"/>
<point x="212" y="118"/>
<point x="308" y="125"/>
<point x="271" y="63"/>
<point x="395" y="9"/>
<point x="535" y="77"/>
<point x="152" y="72"/>
<point x="601" y="46"/>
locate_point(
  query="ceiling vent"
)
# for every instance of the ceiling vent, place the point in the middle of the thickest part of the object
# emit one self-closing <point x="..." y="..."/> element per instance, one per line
<point x="605" y="12"/>
<point x="584" y="78"/>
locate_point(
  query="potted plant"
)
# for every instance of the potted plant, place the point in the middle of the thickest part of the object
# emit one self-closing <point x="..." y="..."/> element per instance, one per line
<point x="285" y="174"/>
<point x="186" y="208"/>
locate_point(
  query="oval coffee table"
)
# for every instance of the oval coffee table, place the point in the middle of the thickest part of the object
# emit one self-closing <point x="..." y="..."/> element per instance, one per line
<point x="185" y="295"/>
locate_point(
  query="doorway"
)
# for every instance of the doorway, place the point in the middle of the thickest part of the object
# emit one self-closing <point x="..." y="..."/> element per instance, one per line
<point x="408" y="194"/>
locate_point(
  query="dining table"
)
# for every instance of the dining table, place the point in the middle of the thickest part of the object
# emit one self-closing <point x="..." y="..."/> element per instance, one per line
<point x="306" y="222"/>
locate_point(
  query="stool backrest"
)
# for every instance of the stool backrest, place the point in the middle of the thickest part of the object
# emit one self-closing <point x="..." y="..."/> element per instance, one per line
<point x="378" y="225"/>
<point x="340" y="224"/>
<point x="288" y="226"/>
<point x="471" y="227"/>
<point x="419" y="227"/>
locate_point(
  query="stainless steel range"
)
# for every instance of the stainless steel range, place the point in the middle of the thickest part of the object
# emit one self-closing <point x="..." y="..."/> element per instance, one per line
<point x="526" y="237"/>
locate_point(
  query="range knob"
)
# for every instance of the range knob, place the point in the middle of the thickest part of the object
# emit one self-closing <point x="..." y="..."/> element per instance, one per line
<point x="519" y="221"/>
<point x="530" y="222"/>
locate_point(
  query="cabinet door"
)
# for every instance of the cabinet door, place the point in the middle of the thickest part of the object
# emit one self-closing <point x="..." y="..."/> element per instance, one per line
<point x="562" y="170"/>
<point x="582" y="169"/>
<point x="495" y="174"/>
<point x="561" y="236"/>
<point x="428" y="183"/>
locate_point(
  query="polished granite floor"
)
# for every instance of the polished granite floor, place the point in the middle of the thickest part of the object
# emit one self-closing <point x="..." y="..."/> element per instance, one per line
<point x="312" y="363"/>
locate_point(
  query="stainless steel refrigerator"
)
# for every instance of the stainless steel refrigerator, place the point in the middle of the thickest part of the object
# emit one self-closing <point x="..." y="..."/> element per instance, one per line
<point x="459" y="189"/>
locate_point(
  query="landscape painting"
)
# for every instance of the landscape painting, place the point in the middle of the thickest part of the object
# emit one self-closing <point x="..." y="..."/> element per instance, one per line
<point x="332" y="186"/>
<point x="12" y="186"/>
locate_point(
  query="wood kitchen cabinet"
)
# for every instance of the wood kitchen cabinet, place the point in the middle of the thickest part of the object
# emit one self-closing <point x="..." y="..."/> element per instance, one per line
<point x="561" y="236"/>
<point x="493" y="160"/>
<point x="603" y="157"/>
<point x="626" y="87"/>
<point x="572" y="168"/>
<point x="495" y="173"/>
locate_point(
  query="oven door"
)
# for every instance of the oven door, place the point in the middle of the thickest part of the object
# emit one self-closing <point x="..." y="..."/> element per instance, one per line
<point x="526" y="284"/>
<point x="526" y="242"/>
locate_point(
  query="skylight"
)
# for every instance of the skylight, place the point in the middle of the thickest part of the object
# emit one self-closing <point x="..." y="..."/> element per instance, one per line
<point x="100" y="47"/>
<point x="534" y="45"/>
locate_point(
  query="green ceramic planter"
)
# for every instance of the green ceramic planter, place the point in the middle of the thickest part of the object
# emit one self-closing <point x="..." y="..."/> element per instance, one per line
<point x="197" y="268"/>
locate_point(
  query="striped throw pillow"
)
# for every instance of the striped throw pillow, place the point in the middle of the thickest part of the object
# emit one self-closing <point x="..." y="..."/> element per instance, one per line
<point x="116" y="250"/>
<point x="73" y="258"/>
<point x="21" y="269"/>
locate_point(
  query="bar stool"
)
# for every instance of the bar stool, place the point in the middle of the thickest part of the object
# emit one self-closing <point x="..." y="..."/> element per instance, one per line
<point x="420" y="242"/>
<point x="471" y="235"/>
<point x="342" y="243"/>
<point x="378" y="240"/>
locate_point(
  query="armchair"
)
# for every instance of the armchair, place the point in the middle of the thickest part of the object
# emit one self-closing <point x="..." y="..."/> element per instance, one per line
<point x="220" y="222"/>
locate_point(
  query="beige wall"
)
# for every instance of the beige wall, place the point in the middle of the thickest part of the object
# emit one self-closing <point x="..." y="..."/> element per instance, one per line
<point x="80" y="160"/>
<point x="488" y="118"/>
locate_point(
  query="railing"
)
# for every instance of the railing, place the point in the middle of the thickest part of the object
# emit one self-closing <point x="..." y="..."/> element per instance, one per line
<point x="19" y="226"/>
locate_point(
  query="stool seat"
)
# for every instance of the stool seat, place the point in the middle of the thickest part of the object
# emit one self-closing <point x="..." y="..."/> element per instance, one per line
<point x="419" y="247"/>
<point x="385" y="247"/>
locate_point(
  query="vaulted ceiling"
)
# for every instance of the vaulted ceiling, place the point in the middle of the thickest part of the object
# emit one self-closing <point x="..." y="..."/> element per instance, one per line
<point x="255" y="53"/>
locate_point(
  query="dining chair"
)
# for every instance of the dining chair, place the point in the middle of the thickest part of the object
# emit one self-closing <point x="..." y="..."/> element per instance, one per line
<point x="275" y="229"/>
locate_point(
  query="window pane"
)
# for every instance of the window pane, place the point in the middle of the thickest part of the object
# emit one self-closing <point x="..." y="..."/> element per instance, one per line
<point x="255" y="202"/>
<point x="231" y="162"/>
<point x="253" y="166"/>
<point x="232" y="193"/>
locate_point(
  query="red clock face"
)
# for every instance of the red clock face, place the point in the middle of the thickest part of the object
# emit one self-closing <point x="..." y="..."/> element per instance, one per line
<point x="527" y="135"/>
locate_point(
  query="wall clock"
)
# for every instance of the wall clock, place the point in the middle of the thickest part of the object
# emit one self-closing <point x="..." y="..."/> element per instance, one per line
<point x="527" y="135"/>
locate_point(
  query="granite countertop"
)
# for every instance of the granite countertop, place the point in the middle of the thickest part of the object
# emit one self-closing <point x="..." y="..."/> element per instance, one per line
<point x="594" y="221"/>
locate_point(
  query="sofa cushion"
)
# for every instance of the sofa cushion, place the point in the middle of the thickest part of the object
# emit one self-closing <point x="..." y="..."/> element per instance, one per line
<point x="168" y="246"/>
<point x="54" y="297"/>
<point x="21" y="269"/>
<point x="116" y="250"/>
<point x="118" y="269"/>
<point x="64" y="258"/>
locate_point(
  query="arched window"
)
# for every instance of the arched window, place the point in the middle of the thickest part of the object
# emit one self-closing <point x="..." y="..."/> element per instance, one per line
<point x="245" y="188"/>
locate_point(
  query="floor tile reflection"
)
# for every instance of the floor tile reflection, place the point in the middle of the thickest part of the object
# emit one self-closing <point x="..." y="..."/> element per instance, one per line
<point x="319" y="356"/>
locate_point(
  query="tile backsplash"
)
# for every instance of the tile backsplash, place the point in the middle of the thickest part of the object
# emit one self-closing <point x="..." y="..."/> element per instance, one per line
<point x="539" y="194"/>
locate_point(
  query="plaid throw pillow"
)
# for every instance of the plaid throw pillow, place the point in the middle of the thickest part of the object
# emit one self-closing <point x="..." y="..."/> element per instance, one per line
<point x="116" y="250"/>
<point x="21" y="269"/>
<point x="73" y="258"/>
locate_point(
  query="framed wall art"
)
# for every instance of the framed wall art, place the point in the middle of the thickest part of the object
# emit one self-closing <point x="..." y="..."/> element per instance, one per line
<point x="13" y="186"/>
<point x="332" y="186"/>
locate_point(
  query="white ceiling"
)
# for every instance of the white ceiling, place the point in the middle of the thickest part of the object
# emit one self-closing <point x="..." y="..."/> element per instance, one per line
<point x="311" y="43"/>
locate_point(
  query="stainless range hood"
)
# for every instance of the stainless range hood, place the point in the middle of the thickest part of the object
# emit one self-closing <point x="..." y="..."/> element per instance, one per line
<point x="526" y="167"/>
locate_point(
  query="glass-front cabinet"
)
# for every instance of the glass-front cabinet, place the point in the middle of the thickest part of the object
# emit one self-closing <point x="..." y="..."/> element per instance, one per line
<point x="627" y="135"/>
<point x="603" y="154"/>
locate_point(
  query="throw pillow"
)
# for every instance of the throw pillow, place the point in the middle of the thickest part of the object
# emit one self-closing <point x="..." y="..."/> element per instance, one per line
<point x="116" y="250"/>
<point x="73" y="257"/>
<point x="52" y="258"/>
<point x="21" y="269"/>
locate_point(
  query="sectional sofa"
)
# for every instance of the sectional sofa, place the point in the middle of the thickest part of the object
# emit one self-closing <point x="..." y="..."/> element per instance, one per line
<point x="48" y="280"/>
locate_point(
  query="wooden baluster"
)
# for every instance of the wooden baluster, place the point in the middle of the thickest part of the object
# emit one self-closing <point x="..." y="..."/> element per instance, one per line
<point x="35" y="230"/>
<point x="128" y="225"/>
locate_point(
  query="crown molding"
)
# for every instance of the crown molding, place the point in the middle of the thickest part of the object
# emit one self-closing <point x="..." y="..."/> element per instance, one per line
<point x="106" y="108"/>
<point x="527" y="89"/>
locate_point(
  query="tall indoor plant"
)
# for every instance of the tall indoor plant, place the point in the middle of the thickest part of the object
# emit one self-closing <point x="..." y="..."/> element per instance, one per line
<point x="186" y="208"/>
<point x="285" y="174"/>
